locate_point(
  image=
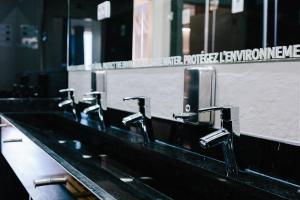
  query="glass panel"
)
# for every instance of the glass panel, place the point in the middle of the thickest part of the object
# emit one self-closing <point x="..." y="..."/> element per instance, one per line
<point x="93" y="41"/>
<point x="117" y="32"/>
<point x="288" y="22"/>
<point x="142" y="30"/>
<point x="243" y="30"/>
<point x="193" y="26"/>
<point x="54" y="33"/>
<point x="85" y="33"/>
<point x="85" y="41"/>
<point x="180" y="27"/>
<point x="151" y="29"/>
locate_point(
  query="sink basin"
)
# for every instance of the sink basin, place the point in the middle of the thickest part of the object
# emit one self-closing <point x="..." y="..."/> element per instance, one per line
<point x="158" y="169"/>
<point x="85" y="152"/>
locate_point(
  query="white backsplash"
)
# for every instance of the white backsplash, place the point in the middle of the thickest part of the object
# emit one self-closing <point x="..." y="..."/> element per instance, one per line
<point x="81" y="82"/>
<point x="267" y="94"/>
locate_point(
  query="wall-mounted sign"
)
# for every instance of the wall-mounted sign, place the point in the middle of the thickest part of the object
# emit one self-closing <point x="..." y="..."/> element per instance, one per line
<point x="237" y="56"/>
<point x="237" y="6"/>
<point x="214" y="5"/>
<point x="104" y="10"/>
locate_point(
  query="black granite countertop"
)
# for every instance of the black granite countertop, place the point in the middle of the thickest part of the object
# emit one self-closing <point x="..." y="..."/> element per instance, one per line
<point x="101" y="175"/>
<point x="108" y="178"/>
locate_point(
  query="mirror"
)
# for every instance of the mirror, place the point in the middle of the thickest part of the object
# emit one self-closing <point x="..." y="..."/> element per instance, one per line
<point x="85" y="41"/>
<point x="154" y="29"/>
<point x="183" y="27"/>
<point x="92" y="40"/>
<point x="33" y="46"/>
<point x="54" y="34"/>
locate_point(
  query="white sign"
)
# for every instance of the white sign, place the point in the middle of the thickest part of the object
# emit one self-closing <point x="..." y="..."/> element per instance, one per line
<point x="104" y="10"/>
<point x="237" y="6"/>
<point x="214" y="5"/>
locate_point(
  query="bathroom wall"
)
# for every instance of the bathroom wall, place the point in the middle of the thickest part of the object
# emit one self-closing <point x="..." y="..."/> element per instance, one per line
<point x="81" y="82"/>
<point x="267" y="94"/>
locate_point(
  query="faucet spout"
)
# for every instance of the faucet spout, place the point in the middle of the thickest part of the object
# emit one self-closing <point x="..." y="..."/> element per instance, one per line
<point x="91" y="109"/>
<point x="229" y="127"/>
<point x="69" y="101"/>
<point x="215" y="138"/>
<point x="131" y="119"/>
<point x="139" y="120"/>
<point x="65" y="102"/>
<point x="95" y="99"/>
<point x="142" y="119"/>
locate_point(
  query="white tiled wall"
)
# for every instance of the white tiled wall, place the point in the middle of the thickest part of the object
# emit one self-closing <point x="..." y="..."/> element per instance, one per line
<point x="267" y="94"/>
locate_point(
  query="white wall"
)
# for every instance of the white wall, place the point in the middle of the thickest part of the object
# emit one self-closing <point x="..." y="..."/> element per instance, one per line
<point x="81" y="82"/>
<point x="267" y="94"/>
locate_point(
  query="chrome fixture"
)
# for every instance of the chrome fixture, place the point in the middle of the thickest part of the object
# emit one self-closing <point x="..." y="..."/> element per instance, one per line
<point x="69" y="101"/>
<point x="198" y="104"/>
<point x="199" y="92"/>
<point x="229" y="127"/>
<point x="95" y="98"/>
<point x="142" y="119"/>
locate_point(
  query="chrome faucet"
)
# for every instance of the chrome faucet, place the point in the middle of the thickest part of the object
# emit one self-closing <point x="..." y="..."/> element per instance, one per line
<point x="229" y="127"/>
<point x="142" y="119"/>
<point x="97" y="107"/>
<point x="69" y="101"/>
